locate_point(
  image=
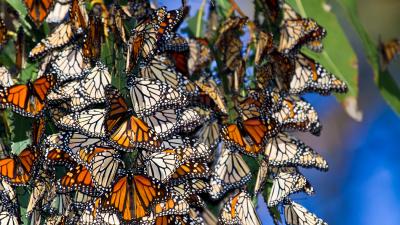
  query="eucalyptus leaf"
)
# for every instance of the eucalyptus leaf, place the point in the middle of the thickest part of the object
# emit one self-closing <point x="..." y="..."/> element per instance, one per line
<point x="383" y="79"/>
<point x="17" y="147"/>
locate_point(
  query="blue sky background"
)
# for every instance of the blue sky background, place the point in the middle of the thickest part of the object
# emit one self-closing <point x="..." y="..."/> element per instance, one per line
<point x="362" y="185"/>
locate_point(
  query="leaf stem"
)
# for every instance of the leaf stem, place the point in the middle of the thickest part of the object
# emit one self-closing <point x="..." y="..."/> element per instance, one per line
<point x="301" y="8"/>
<point x="199" y="17"/>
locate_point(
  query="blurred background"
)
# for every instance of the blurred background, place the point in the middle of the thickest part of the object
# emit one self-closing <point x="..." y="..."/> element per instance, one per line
<point x="362" y="184"/>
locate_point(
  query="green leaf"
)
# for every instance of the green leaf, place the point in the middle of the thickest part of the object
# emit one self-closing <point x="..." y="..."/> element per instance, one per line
<point x="19" y="126"/>
<point x="19" y="6"/>
<point x="29" y="72"/>
<point x="195" y="25"/>
<point x="223" y="8"/>
<point x="338" y="56"/>
<point x="390" y="91"/>
<point x="6" y="53"/>
<point x="17" y="147"/>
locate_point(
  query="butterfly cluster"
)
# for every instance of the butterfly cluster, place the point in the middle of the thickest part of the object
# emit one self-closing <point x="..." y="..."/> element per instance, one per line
<point x="170" y="142"/>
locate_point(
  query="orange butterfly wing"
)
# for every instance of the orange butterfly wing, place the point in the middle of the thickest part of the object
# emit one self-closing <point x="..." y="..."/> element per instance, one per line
<point x="7" y="168"/>
<point x="78" y="178"/>
<point x="133" y="197"/>
<point x="28" y="98"/>
<point x="146" y="190"/>
<point x="233" y="135"/>
<point x="76" y="15"/>
<point x="258" y="130"/>
<point x="121" y="198"/>
<point x="130" y="132"/>
<point x="59" y="156"/>
<point x="18" y="169"/>
<point x="38" y="10"/>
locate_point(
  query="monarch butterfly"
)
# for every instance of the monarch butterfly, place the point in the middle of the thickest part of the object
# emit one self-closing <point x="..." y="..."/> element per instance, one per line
<point x="180" y="61"/>
<point x="117" y="25"/>
<point x="190" y="187"/>
<point x="311" y="76"/>
<point x="62" y="119"/>
<point x="230" y="25"/>
<point x="59" y="11"/>
<point x="132" y="196"/>
<point x="91" y="122"/>
<point x="285" y="150"/>
<point x="195" y="151"/>
<point x="78" y="94"/>
<point x="125" y="130"/>
<point x="233" y="137"/>
<point x="176" y="43"/>
<point x="164" y="122"/>
<point x="297" y="114"/>
<point x="92" y="43"/>
<point x="262" y="175"/>
<point x="239" y="210"/>
<point x="156" y="69"/>
<point x="70" y="64"/>
<point x="103" y="163"/>
<point x="249" y="108"/>
<point x="296" y="214"/>
<point x="171" y="205"/>
<point x="80" y="179"/>
<point x="190" y="119"/>
<point x="212" y="90"/>
<point x="271" y="100"/>
<point x="389" y="50"/>
<point x="41" y="187"/>
<point x="230" y="172"/>
<point x="296" y="31"/>
<point x="229" y="42"/>
<point x="149" y="96"/>
<point x="288" y="180"/>
<point x="146" y="34"/>
<point x="59" y="157"/>
<point x="199" y="55"/>
<point x="189" y="170"/>
<point x="81" y="200"/>
<point x="315" y="45"/>
<point x="189" y="151"/>
<point x="9" y="208"/>
<point x="71" y="143"/>
<point x="175" y="141"/>
<point x="57" y="204"/>
<point x="108" y="217"/>
<point x="259" y="130"/>
<point x="78" y="15"/>
<point x="138" y="9"/>
<point x="64" y="33"/>
<point x="209" y="133"/>
<point x="264" y="46"/>
<point x="3" y="34"/>
<point x="8" y="217"/>
<point x="18" y="169"/>
<point x="162" y="165"/>
<point x="5" y="77"/>
<point x="38" y="10"/>
<point x="27" y="99"/>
